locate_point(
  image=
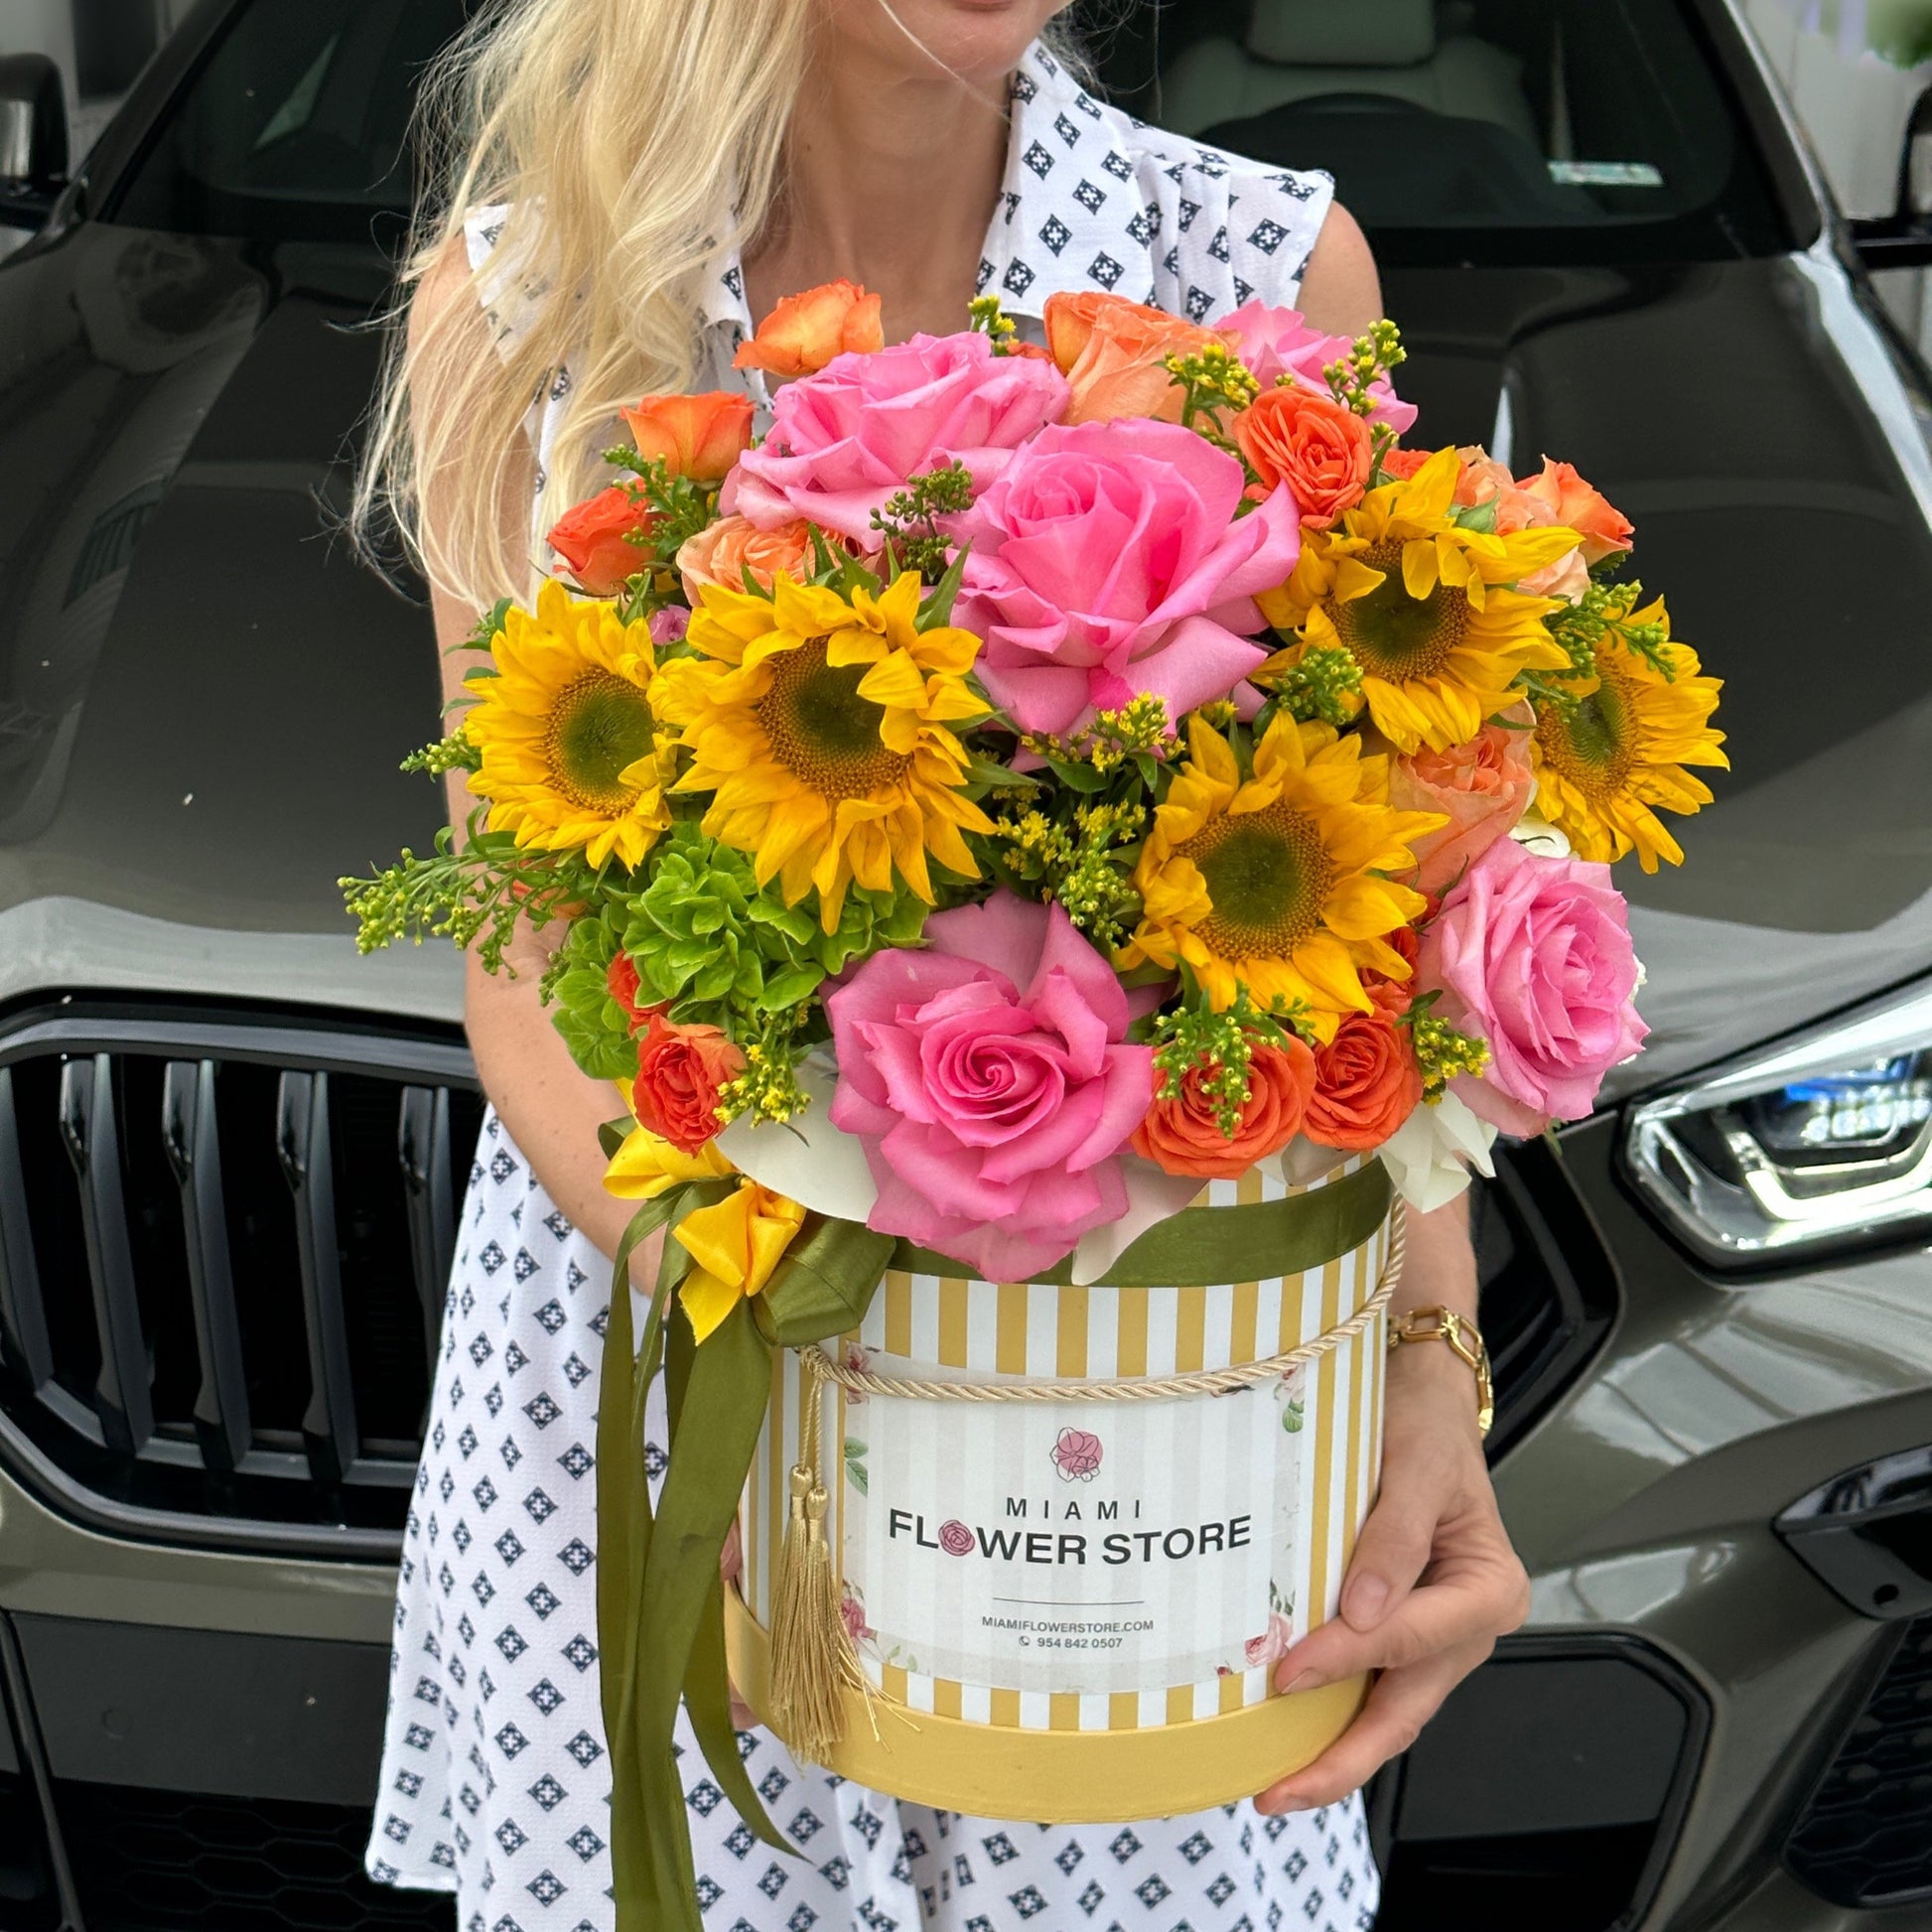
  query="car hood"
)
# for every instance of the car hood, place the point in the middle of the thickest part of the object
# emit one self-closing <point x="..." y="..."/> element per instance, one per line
<point x="204" y="696"/>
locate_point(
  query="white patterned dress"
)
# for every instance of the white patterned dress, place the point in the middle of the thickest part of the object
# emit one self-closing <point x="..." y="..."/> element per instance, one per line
<point x="495" y="1784"/>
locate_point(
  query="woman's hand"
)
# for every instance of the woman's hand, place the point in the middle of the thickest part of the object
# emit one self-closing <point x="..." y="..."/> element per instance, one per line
<point x="1433" y="1583"/>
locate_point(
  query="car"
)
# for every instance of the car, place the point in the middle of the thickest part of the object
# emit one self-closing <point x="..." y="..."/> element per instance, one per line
<point x="231" y="1153"/>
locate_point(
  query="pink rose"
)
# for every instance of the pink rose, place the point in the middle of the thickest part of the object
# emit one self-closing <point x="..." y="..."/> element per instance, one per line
<point x="1076" y="1454"/>
<point x="1106" y="563"/>
<point x="847" y="439"/>
<point x="1484" y="786"/>
<point x="956" y="1539"/>
<point x="1275" y="343"/>
<point x="1272" y="1645"/>
<point x="991" y="1083"/>
<point x="1535" y="955"/>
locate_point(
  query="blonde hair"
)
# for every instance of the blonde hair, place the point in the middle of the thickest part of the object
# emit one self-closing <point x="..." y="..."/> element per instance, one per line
<point x="619" y="134"/>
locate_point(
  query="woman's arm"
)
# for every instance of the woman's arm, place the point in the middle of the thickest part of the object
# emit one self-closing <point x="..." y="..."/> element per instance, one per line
<point x="1342" y="292"/>
<point x="552" y="1110"/>
<point x="1435" y="1582"/>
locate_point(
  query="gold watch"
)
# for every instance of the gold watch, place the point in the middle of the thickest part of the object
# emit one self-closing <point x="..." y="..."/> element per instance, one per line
<point x="1465" y="1343"/>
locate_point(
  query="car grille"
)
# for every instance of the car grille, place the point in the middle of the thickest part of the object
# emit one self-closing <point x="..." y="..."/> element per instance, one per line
<point x="151" y="1860"/>
<point x="1865" y="1838"/>
<point x="225" y="1241"/>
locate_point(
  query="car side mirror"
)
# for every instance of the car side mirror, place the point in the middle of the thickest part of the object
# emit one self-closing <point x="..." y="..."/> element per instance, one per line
<point x="32" y="139"/>
<point x="1903" y="239"/>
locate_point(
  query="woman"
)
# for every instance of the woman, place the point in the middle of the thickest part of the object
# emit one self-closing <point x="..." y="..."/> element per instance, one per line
<point x="644" y="177"/>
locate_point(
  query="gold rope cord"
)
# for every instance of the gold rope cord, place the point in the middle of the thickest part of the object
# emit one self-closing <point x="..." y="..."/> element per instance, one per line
<point x="1220" y="1381"/>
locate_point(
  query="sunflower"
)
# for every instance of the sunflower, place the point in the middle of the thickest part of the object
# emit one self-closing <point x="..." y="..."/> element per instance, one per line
<point x="570" y="756"/>
<point x="821" y="726"/>
<point x="1424" y="607"/>
<point x="1603" y="767"/>
<point x="1273" y="883"/>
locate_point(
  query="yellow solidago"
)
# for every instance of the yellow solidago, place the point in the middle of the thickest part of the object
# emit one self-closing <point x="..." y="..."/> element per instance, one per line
<point x="1275" y="882"/>
<point x="570" y="756"/>
<point x="1607" y="765"/>
<point x="1422" y="604"/>
<point x="822" y="728"/>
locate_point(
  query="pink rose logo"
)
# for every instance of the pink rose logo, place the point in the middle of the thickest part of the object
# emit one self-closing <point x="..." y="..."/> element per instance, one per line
<point x="1077" y="1456"/>
<point x="1273" y="1643"/>
<point x="991" y="1080"/>
<point x="956" y="1539"/>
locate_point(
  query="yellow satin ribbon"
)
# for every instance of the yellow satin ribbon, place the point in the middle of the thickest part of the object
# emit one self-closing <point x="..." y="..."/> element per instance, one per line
<point x="736" y="1245"/>
<point x="646" y="1165"/>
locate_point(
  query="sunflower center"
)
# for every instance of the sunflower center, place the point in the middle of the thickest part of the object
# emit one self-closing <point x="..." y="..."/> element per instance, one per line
<point x="1268" y="875"/>
<point x="600" y="725"/>
<point x="1394" y="636"/>
<point x="821" y="730"/>
<point x="1596" y="746"/>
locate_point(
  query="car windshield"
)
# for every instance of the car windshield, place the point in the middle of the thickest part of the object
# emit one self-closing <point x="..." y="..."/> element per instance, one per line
<point x="1564" y="132"/>
<point x="296" y="125"/>
<point x="1556" y="131"/>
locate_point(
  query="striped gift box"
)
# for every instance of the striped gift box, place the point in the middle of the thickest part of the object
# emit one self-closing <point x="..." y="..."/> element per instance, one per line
<point x="1071" y="1609"/>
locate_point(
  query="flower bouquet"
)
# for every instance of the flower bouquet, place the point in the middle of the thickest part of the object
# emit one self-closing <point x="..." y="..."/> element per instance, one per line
<point x="1049" y="840"/>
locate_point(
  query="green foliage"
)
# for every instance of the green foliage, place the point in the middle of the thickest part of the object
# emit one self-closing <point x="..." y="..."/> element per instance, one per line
<point x="1325" y="686"/>
<point x="452" y="754"/>
<point x="1605" y="612"/>
<point x="472" y="897"/>
<point x="1079" y="860"/>
<point x="593" y="1025"/>
<point x="909" y="522"/>
<point x="703" y="934"/>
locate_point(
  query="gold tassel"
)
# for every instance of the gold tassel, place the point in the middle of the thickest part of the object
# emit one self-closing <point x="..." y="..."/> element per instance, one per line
<point x="813" y="1663"/>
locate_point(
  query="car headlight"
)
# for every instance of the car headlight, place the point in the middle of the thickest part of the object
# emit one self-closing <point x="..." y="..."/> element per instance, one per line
<point x="1821" y="1142"/>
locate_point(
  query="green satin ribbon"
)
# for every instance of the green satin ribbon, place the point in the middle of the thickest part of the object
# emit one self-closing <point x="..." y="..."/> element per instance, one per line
<point x="1201" y="1247"/>
<point x="659" y="1599"/>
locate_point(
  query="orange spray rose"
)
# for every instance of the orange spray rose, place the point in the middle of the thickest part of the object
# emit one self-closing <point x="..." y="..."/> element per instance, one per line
<point x="1113" y="353"/>
<point x="1182" y="1137"/>
<point x="1320" y="450"/>
<point x="593" y="540"/>
<point x="679" y="1072"/>
<point x="1366" y="1084"/>
<point x="721" y="555"/>
<point x="692" y="436"/>
<point x="804" y="331"/>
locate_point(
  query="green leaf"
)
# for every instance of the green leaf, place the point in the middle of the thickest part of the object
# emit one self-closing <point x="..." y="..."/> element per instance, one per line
<point x="936" y="609"/>
<point x="1078" y="777"/>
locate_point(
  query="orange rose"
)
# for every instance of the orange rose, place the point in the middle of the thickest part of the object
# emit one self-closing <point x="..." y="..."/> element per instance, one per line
<point x="1403" y="463"/>
<point x="679" y="1072"/>
<point x="1604" y="529"/>
<point x="593" y="540"/>
<point x="1483" y="786"/>
<point x="1366" y="1083"/>
<point x="1114" y="353"/>
<point x="1395" y="995"/>
<point x="1322" y="450"/>
<point x="1521" y="506"/>
<point x="804" y="331"/>
<point x="1183" y="1136"/>
<point x="721" y="555"/>
<point x="692" y="436"/>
